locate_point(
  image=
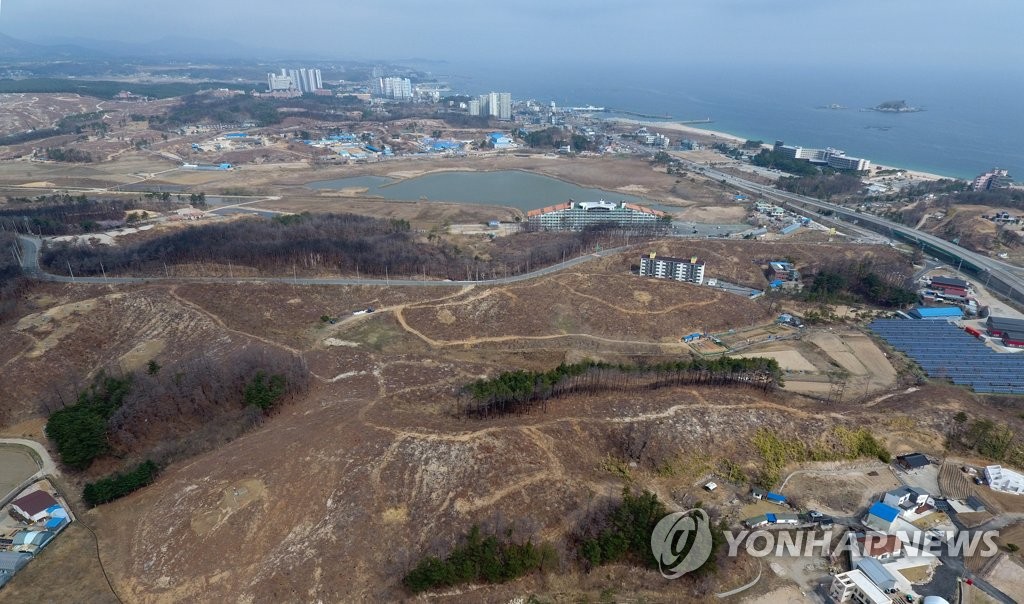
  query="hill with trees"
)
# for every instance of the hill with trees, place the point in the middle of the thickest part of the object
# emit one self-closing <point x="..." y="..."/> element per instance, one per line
<point x="316" y="244"/>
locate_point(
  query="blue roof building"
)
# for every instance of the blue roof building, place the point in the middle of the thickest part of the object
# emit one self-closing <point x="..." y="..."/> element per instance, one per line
<point x="775" y="498"/>
<point x="881" y="517"/>
<point x="500" y="140"/>
<point x="936" y="312"/>
<point x="772" y="519"/>
<point x="786" y="230"/>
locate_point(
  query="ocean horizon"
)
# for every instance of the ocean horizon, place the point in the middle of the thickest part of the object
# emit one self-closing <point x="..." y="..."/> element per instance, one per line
<point x="970" y="123"/>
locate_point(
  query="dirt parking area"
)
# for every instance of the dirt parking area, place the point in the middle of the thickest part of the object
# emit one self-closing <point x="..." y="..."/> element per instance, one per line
<point x="839" y="492"/>
<point x="789" y="360"/>
<point x="926" y="478"/>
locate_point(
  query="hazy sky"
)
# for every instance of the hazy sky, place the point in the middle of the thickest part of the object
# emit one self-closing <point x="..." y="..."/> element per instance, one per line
<point x="956" y="33"/>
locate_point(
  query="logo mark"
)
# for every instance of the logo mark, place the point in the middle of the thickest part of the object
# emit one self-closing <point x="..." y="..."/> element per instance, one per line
<point x="681" y="542"/>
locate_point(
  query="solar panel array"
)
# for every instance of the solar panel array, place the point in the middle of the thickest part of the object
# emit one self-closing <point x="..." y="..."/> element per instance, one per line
<point x="944" y="350"/>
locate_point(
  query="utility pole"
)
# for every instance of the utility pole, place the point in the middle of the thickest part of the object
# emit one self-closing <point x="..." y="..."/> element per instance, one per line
<point x="104" y="271"/>
<point x="70" y="272"/>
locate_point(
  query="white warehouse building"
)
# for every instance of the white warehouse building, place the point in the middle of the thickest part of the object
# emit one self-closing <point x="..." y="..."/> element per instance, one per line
<point x="1007" y="481"/>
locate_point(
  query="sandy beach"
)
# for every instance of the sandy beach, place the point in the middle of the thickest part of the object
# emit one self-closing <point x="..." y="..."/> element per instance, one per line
<point x="677" y="127"/>
<point x="693" y="130"/>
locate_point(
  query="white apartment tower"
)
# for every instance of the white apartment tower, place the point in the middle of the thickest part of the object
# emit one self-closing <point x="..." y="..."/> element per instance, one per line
<point x="279" y="82"/>
<point x="395" y="88"/>
<point x="690" y="271"/>
<point x="504" y="105"/>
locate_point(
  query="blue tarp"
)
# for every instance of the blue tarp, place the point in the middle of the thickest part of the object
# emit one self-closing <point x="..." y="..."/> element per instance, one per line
<point x="54" y="523"/>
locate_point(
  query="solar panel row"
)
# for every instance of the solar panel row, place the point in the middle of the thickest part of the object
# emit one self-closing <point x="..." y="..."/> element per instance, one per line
<point x="943" y="350"/>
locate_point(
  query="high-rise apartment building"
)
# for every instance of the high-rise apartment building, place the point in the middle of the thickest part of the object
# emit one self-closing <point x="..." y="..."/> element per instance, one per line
<point x="395" y="88"/>
<point x="690" y="270"/>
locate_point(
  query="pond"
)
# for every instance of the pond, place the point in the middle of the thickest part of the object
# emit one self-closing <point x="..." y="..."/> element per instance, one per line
<point x="511" y="188"/>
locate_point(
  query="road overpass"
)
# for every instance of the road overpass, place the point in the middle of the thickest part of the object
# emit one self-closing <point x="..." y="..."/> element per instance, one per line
<point x="1001" y="277"/>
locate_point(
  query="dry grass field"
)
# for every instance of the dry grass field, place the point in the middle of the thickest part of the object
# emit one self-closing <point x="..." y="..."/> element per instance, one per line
<point x="374" y="468"/>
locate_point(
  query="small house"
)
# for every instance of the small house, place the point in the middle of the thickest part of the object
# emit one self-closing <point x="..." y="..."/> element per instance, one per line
<point x="775" y="498"/>
<point x="907" y="498"/>
<point x="881" y="517"/>
<point x="878" y="574"/>
<point x="32" y="507"/>
<point x="787" y="519"/>
<point x="757" y="493"/>
<point x="880" y="547"/>
<point x="757" y="521"/>
<point x="912" y="461"/>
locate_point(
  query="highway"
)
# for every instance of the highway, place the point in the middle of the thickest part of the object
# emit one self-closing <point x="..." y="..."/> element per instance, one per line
<point x="999" y="276"/>
<point x="32" y="246"/>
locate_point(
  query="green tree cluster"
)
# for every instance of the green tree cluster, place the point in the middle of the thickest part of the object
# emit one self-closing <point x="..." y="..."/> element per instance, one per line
<point x="80" y="430"/>
<point x="117" y="486"/>
<point x="627" y="534"/>
<point x="68" y="155"/>
<point x="513" y="391"/>
<point x="265" y="391"/>
<point x="778" y="161"/>
<point x="858" y="282"/>
<point x="481" y="559"/>
<point x="548" y="137"/>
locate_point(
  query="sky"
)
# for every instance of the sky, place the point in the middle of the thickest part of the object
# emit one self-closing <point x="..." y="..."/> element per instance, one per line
<point x="911" y="33"/>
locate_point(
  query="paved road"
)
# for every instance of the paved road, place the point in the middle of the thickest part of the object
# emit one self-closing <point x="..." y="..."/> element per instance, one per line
<point x="1005" y="278"/>
<point x="31" y="247"/>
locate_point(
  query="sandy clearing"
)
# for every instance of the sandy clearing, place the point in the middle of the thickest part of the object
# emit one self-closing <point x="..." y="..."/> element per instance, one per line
<point x="789" y="593"/>
<point x="790" y="360"/>
<point x="141" y="354"/>
<point x="836" y="349"/>
<point x="233" y="498"/>
<point x="1005" y="575"/>
<point x="337" y="342"/>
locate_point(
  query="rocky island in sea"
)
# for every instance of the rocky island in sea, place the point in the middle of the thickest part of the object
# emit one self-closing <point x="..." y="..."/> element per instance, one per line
<point x="895" y="107"/>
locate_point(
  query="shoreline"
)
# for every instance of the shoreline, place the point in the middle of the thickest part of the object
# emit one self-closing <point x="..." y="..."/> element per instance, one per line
<point x="678" y="127"/>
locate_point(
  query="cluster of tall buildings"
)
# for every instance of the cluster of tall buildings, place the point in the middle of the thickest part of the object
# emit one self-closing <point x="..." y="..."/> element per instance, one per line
<point x="493" y="104"/>
<point x="302" y="80"/>
<point x="833" y="158"/>
<point x="396" y="88"/>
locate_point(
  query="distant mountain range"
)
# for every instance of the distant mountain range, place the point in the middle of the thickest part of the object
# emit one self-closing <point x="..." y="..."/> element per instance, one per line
<point x="13" y="49"/>
<point x="168" y="47"/>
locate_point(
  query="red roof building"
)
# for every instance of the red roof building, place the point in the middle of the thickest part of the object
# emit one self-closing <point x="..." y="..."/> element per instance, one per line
<point x="32" y="507"/>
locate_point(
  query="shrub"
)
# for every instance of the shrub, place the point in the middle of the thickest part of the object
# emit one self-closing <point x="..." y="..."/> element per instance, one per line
<point x="117" y="486"/>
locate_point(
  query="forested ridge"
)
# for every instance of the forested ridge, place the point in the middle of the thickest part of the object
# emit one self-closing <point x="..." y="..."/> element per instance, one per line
<point x="169" y="412"/>
<point x="317" y="244"/>
<point x="524" y="391"/>
<point x="64" y="214"/>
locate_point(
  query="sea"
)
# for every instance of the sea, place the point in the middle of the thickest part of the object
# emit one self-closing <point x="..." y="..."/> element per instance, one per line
<point x="971" y="121"/>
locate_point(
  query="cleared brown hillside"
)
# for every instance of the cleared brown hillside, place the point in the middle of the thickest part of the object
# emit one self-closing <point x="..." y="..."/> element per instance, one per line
<point x="336" y="497"/>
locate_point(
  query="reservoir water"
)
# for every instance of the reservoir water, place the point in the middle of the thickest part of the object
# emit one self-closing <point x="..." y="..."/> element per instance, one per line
<point x="511" y="188"/>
